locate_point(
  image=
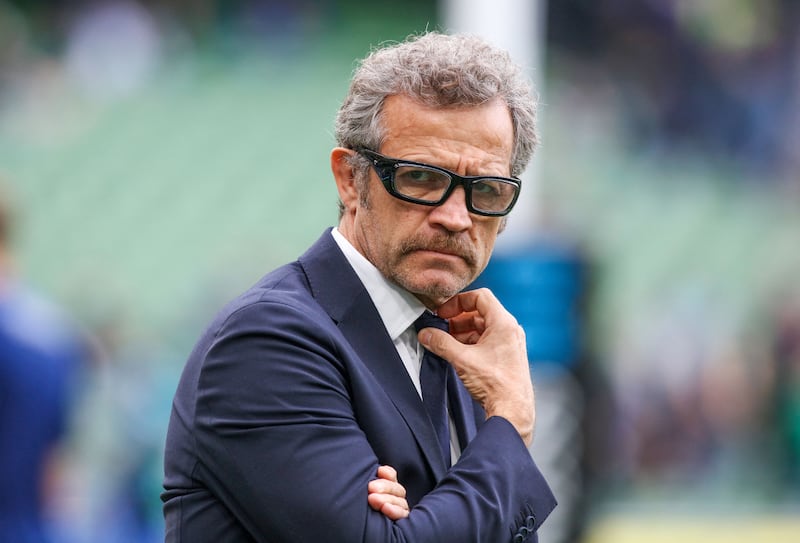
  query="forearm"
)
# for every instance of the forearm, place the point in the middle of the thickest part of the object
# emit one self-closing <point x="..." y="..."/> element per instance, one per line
<point x="491" y="491"/>
<point x="492" y="488"/>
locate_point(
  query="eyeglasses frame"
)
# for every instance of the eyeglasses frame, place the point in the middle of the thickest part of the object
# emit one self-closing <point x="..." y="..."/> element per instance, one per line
<point x="386" y="167"/>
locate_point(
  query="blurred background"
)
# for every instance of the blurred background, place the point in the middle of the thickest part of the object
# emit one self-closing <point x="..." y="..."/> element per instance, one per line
<point x="157" y="157"/>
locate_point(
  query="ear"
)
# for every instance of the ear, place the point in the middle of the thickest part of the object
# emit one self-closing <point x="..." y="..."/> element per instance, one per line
<point x="503" y="223"/>
<point x="345" y="177"/>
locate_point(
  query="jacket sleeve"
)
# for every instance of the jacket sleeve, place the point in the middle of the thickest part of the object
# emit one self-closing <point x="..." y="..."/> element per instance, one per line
<point x="278" y="443"/>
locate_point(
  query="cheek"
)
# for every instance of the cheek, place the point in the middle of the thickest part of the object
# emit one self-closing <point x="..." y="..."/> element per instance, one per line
<point x="484" y="241"/>
<point x="485" y="234"/>
<point x="382" y="234"/>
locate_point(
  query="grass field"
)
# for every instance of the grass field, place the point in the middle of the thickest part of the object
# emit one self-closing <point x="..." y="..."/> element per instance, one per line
<point x="783" y="528"/>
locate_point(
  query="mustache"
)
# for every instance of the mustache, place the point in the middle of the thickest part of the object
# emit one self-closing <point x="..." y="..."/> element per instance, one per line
<point x="451" y="244"/>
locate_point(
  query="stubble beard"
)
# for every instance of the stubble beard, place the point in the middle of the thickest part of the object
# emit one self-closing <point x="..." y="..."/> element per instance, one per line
<point x="432" y="294"/>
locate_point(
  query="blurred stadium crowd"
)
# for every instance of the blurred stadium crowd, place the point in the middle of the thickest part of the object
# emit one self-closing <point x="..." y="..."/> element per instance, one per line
<point x="146" y="144"/>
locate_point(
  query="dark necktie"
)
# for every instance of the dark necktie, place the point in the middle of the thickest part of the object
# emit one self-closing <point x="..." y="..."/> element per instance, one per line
<point x="433" y="380"/>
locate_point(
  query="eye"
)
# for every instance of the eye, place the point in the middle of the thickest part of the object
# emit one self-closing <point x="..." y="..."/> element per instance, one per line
<point x="420" y="183"/>
<point x="486" y="188"/>
<point x="413" y="175"/>
<point x="416" y="176"/>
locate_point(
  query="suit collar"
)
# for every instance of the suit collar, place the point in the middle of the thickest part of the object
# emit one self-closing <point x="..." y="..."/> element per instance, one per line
<point x="333" y="282"/>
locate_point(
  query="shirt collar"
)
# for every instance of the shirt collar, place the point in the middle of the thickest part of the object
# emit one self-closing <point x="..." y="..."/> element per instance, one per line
<point x="397" y="307"/>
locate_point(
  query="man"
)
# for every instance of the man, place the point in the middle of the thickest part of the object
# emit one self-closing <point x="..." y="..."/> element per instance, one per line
<point x="40" y="353"/>
<point x="300" y="413"/>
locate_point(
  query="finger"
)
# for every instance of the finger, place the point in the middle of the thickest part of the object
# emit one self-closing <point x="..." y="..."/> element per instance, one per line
<point x="466" y="323"/>
<point x="387" y="472"/>
<point x="481" y="300"/>
<point x="378" y="500"/>
<point x="467" y="328"/>
<point x="382" y="499"/>
<point x="468" y="338"/>
<point x="387" y="482"/>
<point x="382" y="486"/>
<point x="391" y="506"/>
<point x="394" y="512"/>
<point x="440" y="343"/>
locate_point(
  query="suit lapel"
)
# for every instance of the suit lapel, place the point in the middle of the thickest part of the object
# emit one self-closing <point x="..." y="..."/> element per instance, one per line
<point x="339" y="291"/>
<point x="366" y="333"/>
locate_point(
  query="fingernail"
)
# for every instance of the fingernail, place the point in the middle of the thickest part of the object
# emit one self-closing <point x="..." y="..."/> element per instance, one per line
<point x="425" y="337"/>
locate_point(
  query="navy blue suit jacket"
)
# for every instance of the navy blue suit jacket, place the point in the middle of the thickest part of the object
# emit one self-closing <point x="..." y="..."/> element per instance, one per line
<point x="292" y="399"/>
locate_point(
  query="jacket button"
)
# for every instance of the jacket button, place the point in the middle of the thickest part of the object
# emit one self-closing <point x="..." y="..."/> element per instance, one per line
<point x="530" y="522"/>
<point x="519" y="538"/>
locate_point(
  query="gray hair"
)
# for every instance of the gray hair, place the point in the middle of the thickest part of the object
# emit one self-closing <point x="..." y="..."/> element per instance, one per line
<point x="438" y="70"/>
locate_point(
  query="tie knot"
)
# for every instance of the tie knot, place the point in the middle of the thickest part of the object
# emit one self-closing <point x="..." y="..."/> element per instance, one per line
<point x="428" y="319"/>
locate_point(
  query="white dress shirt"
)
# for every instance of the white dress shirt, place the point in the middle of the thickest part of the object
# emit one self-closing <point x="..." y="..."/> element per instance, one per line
<point x="398" y="310"/>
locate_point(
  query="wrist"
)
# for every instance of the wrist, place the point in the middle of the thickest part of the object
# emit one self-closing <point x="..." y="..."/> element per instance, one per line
<point x="521" y="418"/>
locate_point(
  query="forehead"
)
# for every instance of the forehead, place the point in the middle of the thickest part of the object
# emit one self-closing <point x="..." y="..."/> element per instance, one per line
<point x="481" y="134"/>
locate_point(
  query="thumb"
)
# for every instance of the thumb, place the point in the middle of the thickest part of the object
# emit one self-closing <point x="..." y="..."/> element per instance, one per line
<point x="439" y="342"/>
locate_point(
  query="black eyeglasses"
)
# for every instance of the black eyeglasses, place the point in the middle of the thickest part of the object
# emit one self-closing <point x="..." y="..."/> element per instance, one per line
<point x="432" y="186"/>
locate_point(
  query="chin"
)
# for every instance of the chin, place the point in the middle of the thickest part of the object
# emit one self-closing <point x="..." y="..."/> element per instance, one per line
<point x="436" y="292"/>
<point x="431" y="282"/>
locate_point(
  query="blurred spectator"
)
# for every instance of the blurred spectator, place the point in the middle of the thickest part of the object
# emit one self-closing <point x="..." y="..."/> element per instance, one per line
<point x="786" y="350"/>
<point x="113" y="456"/>
<point x="39" y="354"/>
<point x="104" y="33"/>
<point x="714" y="78"/>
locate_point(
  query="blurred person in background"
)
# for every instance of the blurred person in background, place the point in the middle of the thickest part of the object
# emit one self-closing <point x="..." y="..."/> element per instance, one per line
<point x="307" y="411"/>
<point x="785" y="347"/>
<point x="39" y="354"/>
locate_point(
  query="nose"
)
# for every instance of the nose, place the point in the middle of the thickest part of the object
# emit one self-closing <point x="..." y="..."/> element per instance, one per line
<point x="453" y="213"/>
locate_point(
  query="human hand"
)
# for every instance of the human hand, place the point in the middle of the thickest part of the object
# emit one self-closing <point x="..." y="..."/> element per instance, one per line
<point x="486" y="346"/>
<point x="387" y="495"/>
